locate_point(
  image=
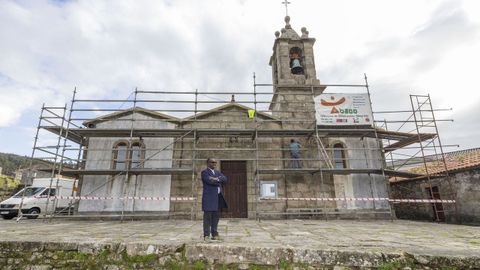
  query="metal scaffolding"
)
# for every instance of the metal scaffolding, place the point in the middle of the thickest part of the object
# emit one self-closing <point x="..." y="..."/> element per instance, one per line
<point x="425" y="156"/>
<point x="249" y="137"/>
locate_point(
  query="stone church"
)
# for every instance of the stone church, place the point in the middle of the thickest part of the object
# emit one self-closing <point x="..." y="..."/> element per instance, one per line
<point x="158" y="155"/>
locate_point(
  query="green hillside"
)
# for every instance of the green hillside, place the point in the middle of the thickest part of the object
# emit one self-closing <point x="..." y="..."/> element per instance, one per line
<point x="7" y="182"/>
<point x="12" y="162"/>
<point x="7" y="186"/>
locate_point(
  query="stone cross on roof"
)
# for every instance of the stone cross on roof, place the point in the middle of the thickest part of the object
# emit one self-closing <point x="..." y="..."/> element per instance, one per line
<point x="286" y="6"/>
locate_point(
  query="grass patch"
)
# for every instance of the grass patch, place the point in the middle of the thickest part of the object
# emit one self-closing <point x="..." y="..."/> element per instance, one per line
<point x="390" y="266"/>
<point x="223" y="267"/>
<point x="261" y="267"/>
<point x="284" y="264"/>
<point x="80" y="256"/>
<point x="199" y="265"/>
<point x="145" y="259"/>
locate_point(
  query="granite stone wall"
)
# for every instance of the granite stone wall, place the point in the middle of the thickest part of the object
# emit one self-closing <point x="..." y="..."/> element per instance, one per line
<point x="58" y="255"/>
<point x="273" y="153"/>
<point x="463" y="186"/>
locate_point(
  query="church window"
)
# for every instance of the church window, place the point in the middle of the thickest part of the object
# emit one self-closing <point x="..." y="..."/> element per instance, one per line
<point x="339" y="156"/>
<point x="127" y="155"/>
<point x="137" y="155"/>
<point x="296" y="60"/>
<point x="120" y="156"/>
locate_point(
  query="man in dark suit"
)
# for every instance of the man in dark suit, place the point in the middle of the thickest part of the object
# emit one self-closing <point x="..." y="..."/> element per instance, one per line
<point x="212" y="199"/>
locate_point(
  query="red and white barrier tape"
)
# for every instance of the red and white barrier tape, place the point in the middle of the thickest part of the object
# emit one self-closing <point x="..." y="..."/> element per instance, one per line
<point x="139" y="198"/>
<point x="422" y="201"/>
<point x="362" y="199"/>
<point x="151" y="198"/>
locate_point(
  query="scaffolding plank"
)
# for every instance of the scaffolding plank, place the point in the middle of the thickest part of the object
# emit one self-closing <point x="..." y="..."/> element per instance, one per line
<point x="403" y="139"/>
<point x="334" y="132"/>
<point x="154" y="171"/>
<point x="401" y="173"/>
<point x="338" y="171"/>
<point x="72" y="135"/>
<point x="414" y="138"/>
<point x="168" y="171"/>
<point x="316" y="170"/>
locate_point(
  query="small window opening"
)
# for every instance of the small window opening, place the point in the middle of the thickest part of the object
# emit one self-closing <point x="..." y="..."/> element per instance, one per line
<point x="339" y="156"/>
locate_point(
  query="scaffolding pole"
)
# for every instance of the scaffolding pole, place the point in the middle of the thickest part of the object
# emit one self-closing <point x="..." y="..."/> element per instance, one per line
<point x="54" y="165"/>
<point x="194" y="163"/>
<point x="379" y="146"/>
<point x="421" y="101"/>
<point x="60" y="167"/>
<point x="256" y="171"/>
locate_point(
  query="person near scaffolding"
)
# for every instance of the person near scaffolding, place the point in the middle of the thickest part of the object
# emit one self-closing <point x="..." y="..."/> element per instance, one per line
<point x="295" y="163"/>
<point x="212" y="199"/>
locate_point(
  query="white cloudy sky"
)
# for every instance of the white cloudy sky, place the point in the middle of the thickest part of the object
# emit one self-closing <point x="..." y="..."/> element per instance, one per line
<point x="107" y="48"/>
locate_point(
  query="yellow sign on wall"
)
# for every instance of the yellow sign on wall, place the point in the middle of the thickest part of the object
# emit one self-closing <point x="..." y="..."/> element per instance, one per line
<point x="251" y="113"/>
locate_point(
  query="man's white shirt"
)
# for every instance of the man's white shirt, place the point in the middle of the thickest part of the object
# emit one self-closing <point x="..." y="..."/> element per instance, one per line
<point x="213" y="172"/>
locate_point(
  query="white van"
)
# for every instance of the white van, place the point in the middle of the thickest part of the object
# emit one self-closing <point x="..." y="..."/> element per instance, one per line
<point x="35" y="198"/>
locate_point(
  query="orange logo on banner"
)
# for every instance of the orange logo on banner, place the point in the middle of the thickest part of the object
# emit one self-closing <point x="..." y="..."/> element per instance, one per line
<point x="326" y="103"/>
<point x="333" y="103"/>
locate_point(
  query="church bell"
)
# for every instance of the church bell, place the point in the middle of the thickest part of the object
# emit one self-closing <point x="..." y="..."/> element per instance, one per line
<point x="297" y="67"/>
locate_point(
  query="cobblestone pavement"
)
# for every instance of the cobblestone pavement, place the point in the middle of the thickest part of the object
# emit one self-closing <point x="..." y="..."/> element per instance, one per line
<point x="364" y="236"/>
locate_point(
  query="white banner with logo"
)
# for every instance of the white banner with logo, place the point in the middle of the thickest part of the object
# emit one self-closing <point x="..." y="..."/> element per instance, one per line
<point x="343" y="110"/>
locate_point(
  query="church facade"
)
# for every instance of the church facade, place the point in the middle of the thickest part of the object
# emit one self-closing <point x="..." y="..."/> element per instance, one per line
<point x="164" y="155"/>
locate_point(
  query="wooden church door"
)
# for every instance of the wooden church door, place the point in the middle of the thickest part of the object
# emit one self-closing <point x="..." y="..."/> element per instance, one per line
<point x="235" y="190"/>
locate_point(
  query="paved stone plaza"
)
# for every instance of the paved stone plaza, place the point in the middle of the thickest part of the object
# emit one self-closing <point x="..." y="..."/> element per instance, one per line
<point x="310" y="242"/>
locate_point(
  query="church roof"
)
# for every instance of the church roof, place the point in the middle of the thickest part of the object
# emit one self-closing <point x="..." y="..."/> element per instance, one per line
<point x="227" y="106"/>
<point x="170" y="118"/>
<point x="128" y="111"/>
<point x="456" y="161"/>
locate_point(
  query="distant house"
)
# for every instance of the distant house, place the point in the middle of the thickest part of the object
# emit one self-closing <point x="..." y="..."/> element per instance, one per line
<point x="26" y="175"/>
<point x="462" y="184"/>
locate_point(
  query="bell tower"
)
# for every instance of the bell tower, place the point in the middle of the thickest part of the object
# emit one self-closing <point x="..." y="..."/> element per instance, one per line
<point x="294" y="78"/>
<point x="293" y="60"/>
